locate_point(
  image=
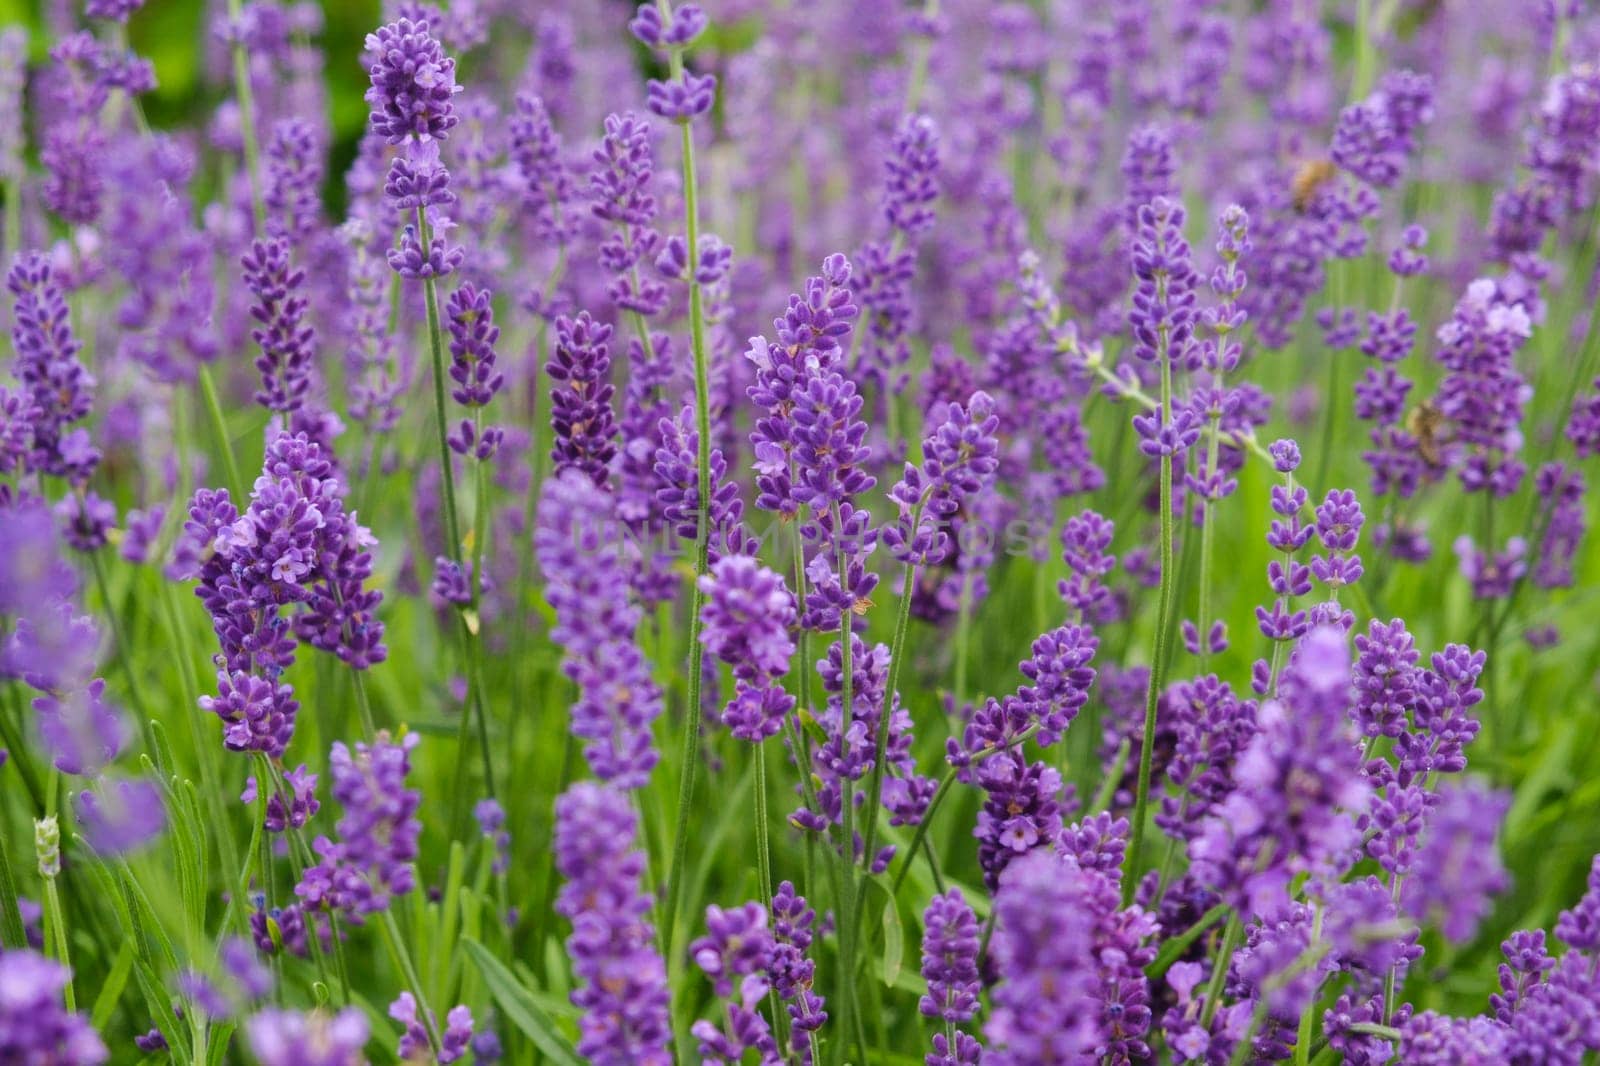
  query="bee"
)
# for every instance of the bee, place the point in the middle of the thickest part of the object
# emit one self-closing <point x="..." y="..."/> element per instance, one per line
<point x="1309" y="180"/>
<point x="1432" y="430"/>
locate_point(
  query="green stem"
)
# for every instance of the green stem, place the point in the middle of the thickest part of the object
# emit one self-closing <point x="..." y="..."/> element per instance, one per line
<point x="702" y="406"/>
<point x="896" y="650"/>
<point x="11" y="239"/>
<point x="846" y="994"/>
<point x="764" y="870"/>
<point x="219" y="424"/>
<point x="1158" y="663"/>
<point x="55" y="929"/>
<point x="1231" y="934"/>
<point x="247" y="120"/>
<point x="397" y="948"/>
<point x="452" y="525"/>
<point x="124" y="659"/>
<point x="1308" y="1017"/>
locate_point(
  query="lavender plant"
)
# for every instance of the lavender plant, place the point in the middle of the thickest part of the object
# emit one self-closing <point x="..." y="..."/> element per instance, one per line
<point x="799" y="533"/>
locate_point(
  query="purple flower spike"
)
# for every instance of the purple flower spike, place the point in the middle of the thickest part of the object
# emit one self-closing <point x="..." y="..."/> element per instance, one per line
<point x="34" y="1027"/>
<point x="746" y="621"/>
<point x="621" y="981"/>
<point x="950" y="959"/>
<point x="372" y="861"/>
<point x="49" y="369"/>
<point x="581" y="403"/>
<point x="1045" y="1006"/>
<point x="577" y="542"/>
<point x="413" y="84"/>
<point x="792" y="972"/>
<point x="286" y="341"/>
<point x="291" y="1038"/>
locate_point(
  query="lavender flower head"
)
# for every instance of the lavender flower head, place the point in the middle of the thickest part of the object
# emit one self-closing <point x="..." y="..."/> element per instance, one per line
<point x="372" y="861"/>
<point x="950" y="959"/>
<point x="413" y="84"/>
<point x="1298" y="785"/>
<point x="34" y="1027"/>
<point x="291" y="1038"/>
<point x="621" y="982"/>
<point x="746" y="620"/>
<point x="1043" y="948"/>
<point x="577" y="541"/>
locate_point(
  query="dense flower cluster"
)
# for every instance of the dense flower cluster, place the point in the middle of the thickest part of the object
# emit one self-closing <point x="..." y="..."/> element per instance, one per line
<point x="845" y="667"/>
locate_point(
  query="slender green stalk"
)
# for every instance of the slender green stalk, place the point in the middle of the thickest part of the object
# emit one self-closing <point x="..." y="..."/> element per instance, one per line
<point x="919" y="836"/>
<point x="1208" y="536"/>
<point x="247" y="118"/>
<point x="55" y="924"/>
<point x="124" y="656"/>
<point x="963" y="649"/>
<point x="397" y="948"/>
<point x="219" y="425"/>
<point x="452" y="529"/>
<point x="430" y="292"/>
<point x="11" y="239"/>
<point x="896" y="650"/>
<point x="1158" y="662"/>
<point x="764" y="868"/>
<point x="846" y="994"/>
<point x="205" y="753"/>
<point x="1232" y="933"/>
<point x="1308" y="1016"/>
<point x="689" y="762"/>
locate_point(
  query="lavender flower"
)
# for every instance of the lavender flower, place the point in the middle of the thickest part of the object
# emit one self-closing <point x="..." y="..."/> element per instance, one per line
<point x="950" y="959"/>
<point x="118" y="817"/>
<point x="1044" y="1005"/>
<point x="49" y="369"/>
<point x="291" y="1038"/>
<point x="792" y="972"/>
<point x="413" y="84"/>
<point x="1457" y="869"/>
<point x="286" y="341"/>
<point x="293" y="180"/>
<point x="548" y="187"/>
<point x="1253" y="843"/>
<point x="745" y="623"/>
<point x="13" y="79"/>
<point x="734" y="954"/>
<point x="619" y="189"/>
<point x="577" y="541"/>
<point x="453" y="1042"/>
<point x="959" y="461"/>
<point x="33" y="1025"/>
<point x="621" y="982"/>
<point x="1162" y="317"/>
<point x="372" y="861"/>
<point x="581" y="402"/>
<point x="811" y="335"/>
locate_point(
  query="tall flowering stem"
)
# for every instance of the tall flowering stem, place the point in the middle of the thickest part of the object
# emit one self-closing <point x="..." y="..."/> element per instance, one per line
<point x="412" y="93"/>
<point x="1162" y="320"/>
<point x="960" y="457"/>
<point x="680" y="99"/>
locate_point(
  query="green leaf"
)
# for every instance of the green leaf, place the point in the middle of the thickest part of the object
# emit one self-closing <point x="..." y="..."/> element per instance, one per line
<point x="894" y="941"/>
<point x="1174" y="948"/>
<point x="12" y="934"/>
<point x="115" y="982"/>
<point x="517" y="1003"/>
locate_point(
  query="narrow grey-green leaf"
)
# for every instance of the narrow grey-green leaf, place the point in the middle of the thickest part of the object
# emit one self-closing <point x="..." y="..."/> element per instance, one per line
<point x="517" y="1003"/>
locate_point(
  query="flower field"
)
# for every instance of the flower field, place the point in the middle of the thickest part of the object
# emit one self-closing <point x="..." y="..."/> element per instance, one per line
<point x="799" y="532"/>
